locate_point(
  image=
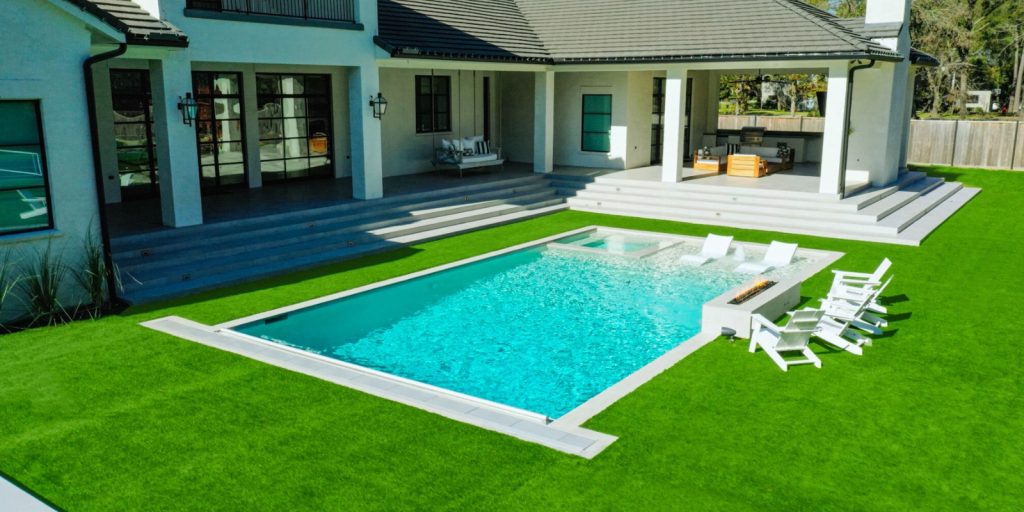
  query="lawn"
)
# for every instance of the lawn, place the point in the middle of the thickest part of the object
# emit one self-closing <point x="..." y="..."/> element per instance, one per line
<point x="106" y="415"/>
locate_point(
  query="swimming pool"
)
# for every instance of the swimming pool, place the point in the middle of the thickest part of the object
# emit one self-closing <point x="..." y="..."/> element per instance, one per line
<point x="538" y="329"/>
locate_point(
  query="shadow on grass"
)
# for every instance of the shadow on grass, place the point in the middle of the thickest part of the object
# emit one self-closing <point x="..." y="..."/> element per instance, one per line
<point x="895" y="299"/>
<point x="28" y="491"/>
<point x="285" y="279"/>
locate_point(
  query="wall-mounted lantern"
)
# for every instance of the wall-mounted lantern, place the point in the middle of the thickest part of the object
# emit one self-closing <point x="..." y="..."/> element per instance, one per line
<point x="188" y="107"/>
<point x="379" y="105"/>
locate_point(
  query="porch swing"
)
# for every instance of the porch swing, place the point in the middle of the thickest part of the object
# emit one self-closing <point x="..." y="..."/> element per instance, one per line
<point x="466" y="153"/>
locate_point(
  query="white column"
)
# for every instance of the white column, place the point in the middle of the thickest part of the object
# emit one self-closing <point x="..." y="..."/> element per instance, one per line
<point x="365" y="133"/>
<point x="251" y="107"/>
<point x="543" y="121"/>
<point x="180" y="201"/>
<point x="907" y="116"/>
<point x="835" y="129"/>
<point x="107" y="140"/>
<point x="674" y="152"/>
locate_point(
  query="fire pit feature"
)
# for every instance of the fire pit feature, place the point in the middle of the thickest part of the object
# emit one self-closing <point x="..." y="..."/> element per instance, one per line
<point x="752" y="291"/>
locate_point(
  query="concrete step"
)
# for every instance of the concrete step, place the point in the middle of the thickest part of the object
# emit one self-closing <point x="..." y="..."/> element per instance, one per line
<point x="145" y="240"/>
<point x="904" y="217"/>
<point x="201" y="267"/>
<point x="239" y="275"/>
<point x="754" y="220"/>
<point x="916" y="233"/>
<point x="271" y="237"/>
<point x="893" y="202"/>
<point x="715" y="205"/>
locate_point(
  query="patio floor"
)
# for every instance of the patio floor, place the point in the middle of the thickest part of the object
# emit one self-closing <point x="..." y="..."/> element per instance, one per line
<point x="143" y="216"/>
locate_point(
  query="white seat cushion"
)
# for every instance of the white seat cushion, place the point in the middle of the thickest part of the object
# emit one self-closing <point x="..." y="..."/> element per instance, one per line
<point x="479" y="158"/>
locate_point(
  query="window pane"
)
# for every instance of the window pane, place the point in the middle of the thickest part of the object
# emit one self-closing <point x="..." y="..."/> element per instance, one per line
<point x="268" y="84"/>
<point x="293" y="107"/>
<point x="599" y="142"/>
<point x="18" y="125"/>
<point x="318" y="84"/>
<point x="294" y="128"/>
<point x="597" y="104"/>
<point x="226" y="84"/>
<point x="227" y="108"/>
<point x="272" y="150"/>
<point x="292" y="84"/>
<point x="423" y="85"/>
<point x="271" y="129"/>
<point x="318" y="107"/>
<point x="597" y="123"/>
<point x="230" y="152"/>
<point x="442" y="85"/>
<point x="23" y="203"/>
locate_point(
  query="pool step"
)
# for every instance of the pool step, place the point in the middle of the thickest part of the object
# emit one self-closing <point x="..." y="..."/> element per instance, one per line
<point x="169" y="263"/>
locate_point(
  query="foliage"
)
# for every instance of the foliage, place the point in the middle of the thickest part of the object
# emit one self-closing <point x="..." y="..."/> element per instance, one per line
<point x="41" y="287"/>
<point x="8" y="283"/>
<point x="92" y="277"/>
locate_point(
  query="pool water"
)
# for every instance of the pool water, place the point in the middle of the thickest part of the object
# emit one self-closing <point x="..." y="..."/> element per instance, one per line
<point x="538" y="329"/>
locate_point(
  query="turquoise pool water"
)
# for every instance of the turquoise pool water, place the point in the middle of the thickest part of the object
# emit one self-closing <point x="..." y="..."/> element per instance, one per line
<point x="538" y="329"/>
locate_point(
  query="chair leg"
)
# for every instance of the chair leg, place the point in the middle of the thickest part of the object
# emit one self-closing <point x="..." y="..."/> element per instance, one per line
<point x="778" y="359"/>
<point x="753" y="345"/>
<point x="812" y="357"/>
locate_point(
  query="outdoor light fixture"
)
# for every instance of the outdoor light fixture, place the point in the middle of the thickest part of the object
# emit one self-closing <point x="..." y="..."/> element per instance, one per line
<point x="379" y="104"/>
<point x="188" y="108"/>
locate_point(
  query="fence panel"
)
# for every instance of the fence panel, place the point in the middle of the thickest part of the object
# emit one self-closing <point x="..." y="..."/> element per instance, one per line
<point x="932" y="142"/>
<point x="1018" y="159"/>
<point x="735" y="122"/>
<point x="985" y="144"/>
<point x="779" y="124"/>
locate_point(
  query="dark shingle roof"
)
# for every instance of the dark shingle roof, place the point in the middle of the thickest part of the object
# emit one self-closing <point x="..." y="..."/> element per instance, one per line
<point x="884" y="31"/>
<point x="481" y="29"/>
<point x="138" y="25"/>
<point x="579" y="31"/>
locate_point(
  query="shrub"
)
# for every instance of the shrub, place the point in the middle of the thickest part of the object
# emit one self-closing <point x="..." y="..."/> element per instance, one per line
<point x="41" y="287"/>
<point x="93" y="275"/>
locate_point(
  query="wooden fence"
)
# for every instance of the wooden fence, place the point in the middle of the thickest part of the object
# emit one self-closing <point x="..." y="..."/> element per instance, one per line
<point x="992" y="144"/>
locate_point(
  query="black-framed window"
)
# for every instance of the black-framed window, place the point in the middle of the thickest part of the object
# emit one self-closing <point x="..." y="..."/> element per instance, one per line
<point x="24" y="186"/>
<point x="133" y="131"/>
<point x="597" y="123"/>
<point x="433" y="104"/>
<point x="295" y="126"/>
<point x="219" y="128"/>
<point x="658" y="120"/>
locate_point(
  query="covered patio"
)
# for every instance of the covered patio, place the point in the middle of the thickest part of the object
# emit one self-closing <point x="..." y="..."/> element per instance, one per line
<point x="144" y="215"/>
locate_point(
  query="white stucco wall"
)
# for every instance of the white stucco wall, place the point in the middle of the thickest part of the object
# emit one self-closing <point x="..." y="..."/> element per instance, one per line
<point x="408" y="152"/>
<point x="43" y="52"/>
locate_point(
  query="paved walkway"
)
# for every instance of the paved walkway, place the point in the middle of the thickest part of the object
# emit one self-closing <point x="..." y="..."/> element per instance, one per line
<point x="14" y="499"/>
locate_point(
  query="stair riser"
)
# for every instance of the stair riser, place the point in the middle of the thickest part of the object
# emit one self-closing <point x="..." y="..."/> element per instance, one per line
<point x="204" y="267"/>
<point x="717" y="207"/>
<point x="394" y="202"/>
<point x="700" y="216"/>
<point x="283" y="229"/>
<point x="241" y="242"/>
<point x="154" y="292"/>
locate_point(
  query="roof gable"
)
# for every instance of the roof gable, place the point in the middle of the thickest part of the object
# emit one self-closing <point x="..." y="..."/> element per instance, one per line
<point x="135" y="22"/>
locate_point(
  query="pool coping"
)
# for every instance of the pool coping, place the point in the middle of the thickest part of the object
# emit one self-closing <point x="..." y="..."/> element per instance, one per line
<point x="564" y="434"/>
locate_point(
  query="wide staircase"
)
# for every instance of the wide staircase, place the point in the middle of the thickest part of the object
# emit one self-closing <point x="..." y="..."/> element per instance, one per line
<point x="173" y="262"/>
<point x="904" y="213"/>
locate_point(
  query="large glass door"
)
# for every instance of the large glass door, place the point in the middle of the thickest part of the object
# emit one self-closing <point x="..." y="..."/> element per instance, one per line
<point x="295" y="126"/>
<point x="219" y="123"/>
<point x="133" y="133"/>
<point x="658" y="120"/>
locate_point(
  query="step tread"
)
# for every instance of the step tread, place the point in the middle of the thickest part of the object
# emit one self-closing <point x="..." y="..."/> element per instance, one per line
<point x="151" y="293"/>
<point x="904" y="217"/>
<point x="353" y="206"/>
<point x="329" y="227"/>
<point x="177" y="271"/>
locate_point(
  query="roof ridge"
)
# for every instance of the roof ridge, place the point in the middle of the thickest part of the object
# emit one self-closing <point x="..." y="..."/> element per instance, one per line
<point x="826" y="21"/>
<point x="533" y="30"/>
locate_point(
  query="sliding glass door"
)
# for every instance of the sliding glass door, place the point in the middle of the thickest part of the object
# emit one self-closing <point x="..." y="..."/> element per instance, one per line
<point x="296" y="135"/>
<point x="219" y="124"/>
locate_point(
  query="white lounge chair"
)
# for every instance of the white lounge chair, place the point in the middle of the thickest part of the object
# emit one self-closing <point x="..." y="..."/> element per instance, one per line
<point x="862" y="279"/>
<point x="791" y="338"/>
<point x="866" y="296"/>
<point x="842" y="309"/>
<point x="837" y="330"/>
<point x="778" y="255"/>
<point x="715" y="246"/>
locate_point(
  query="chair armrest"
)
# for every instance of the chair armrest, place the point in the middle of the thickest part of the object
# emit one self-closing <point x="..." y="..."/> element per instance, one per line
<point x="758" y="320"/>
<point x="852" y="275"/>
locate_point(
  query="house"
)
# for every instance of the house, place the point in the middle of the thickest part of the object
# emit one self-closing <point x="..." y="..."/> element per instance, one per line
<point x="219" y="122"/>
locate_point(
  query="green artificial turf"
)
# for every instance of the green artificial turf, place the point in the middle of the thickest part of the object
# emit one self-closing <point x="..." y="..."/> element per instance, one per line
<point x="106" y="415"/>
